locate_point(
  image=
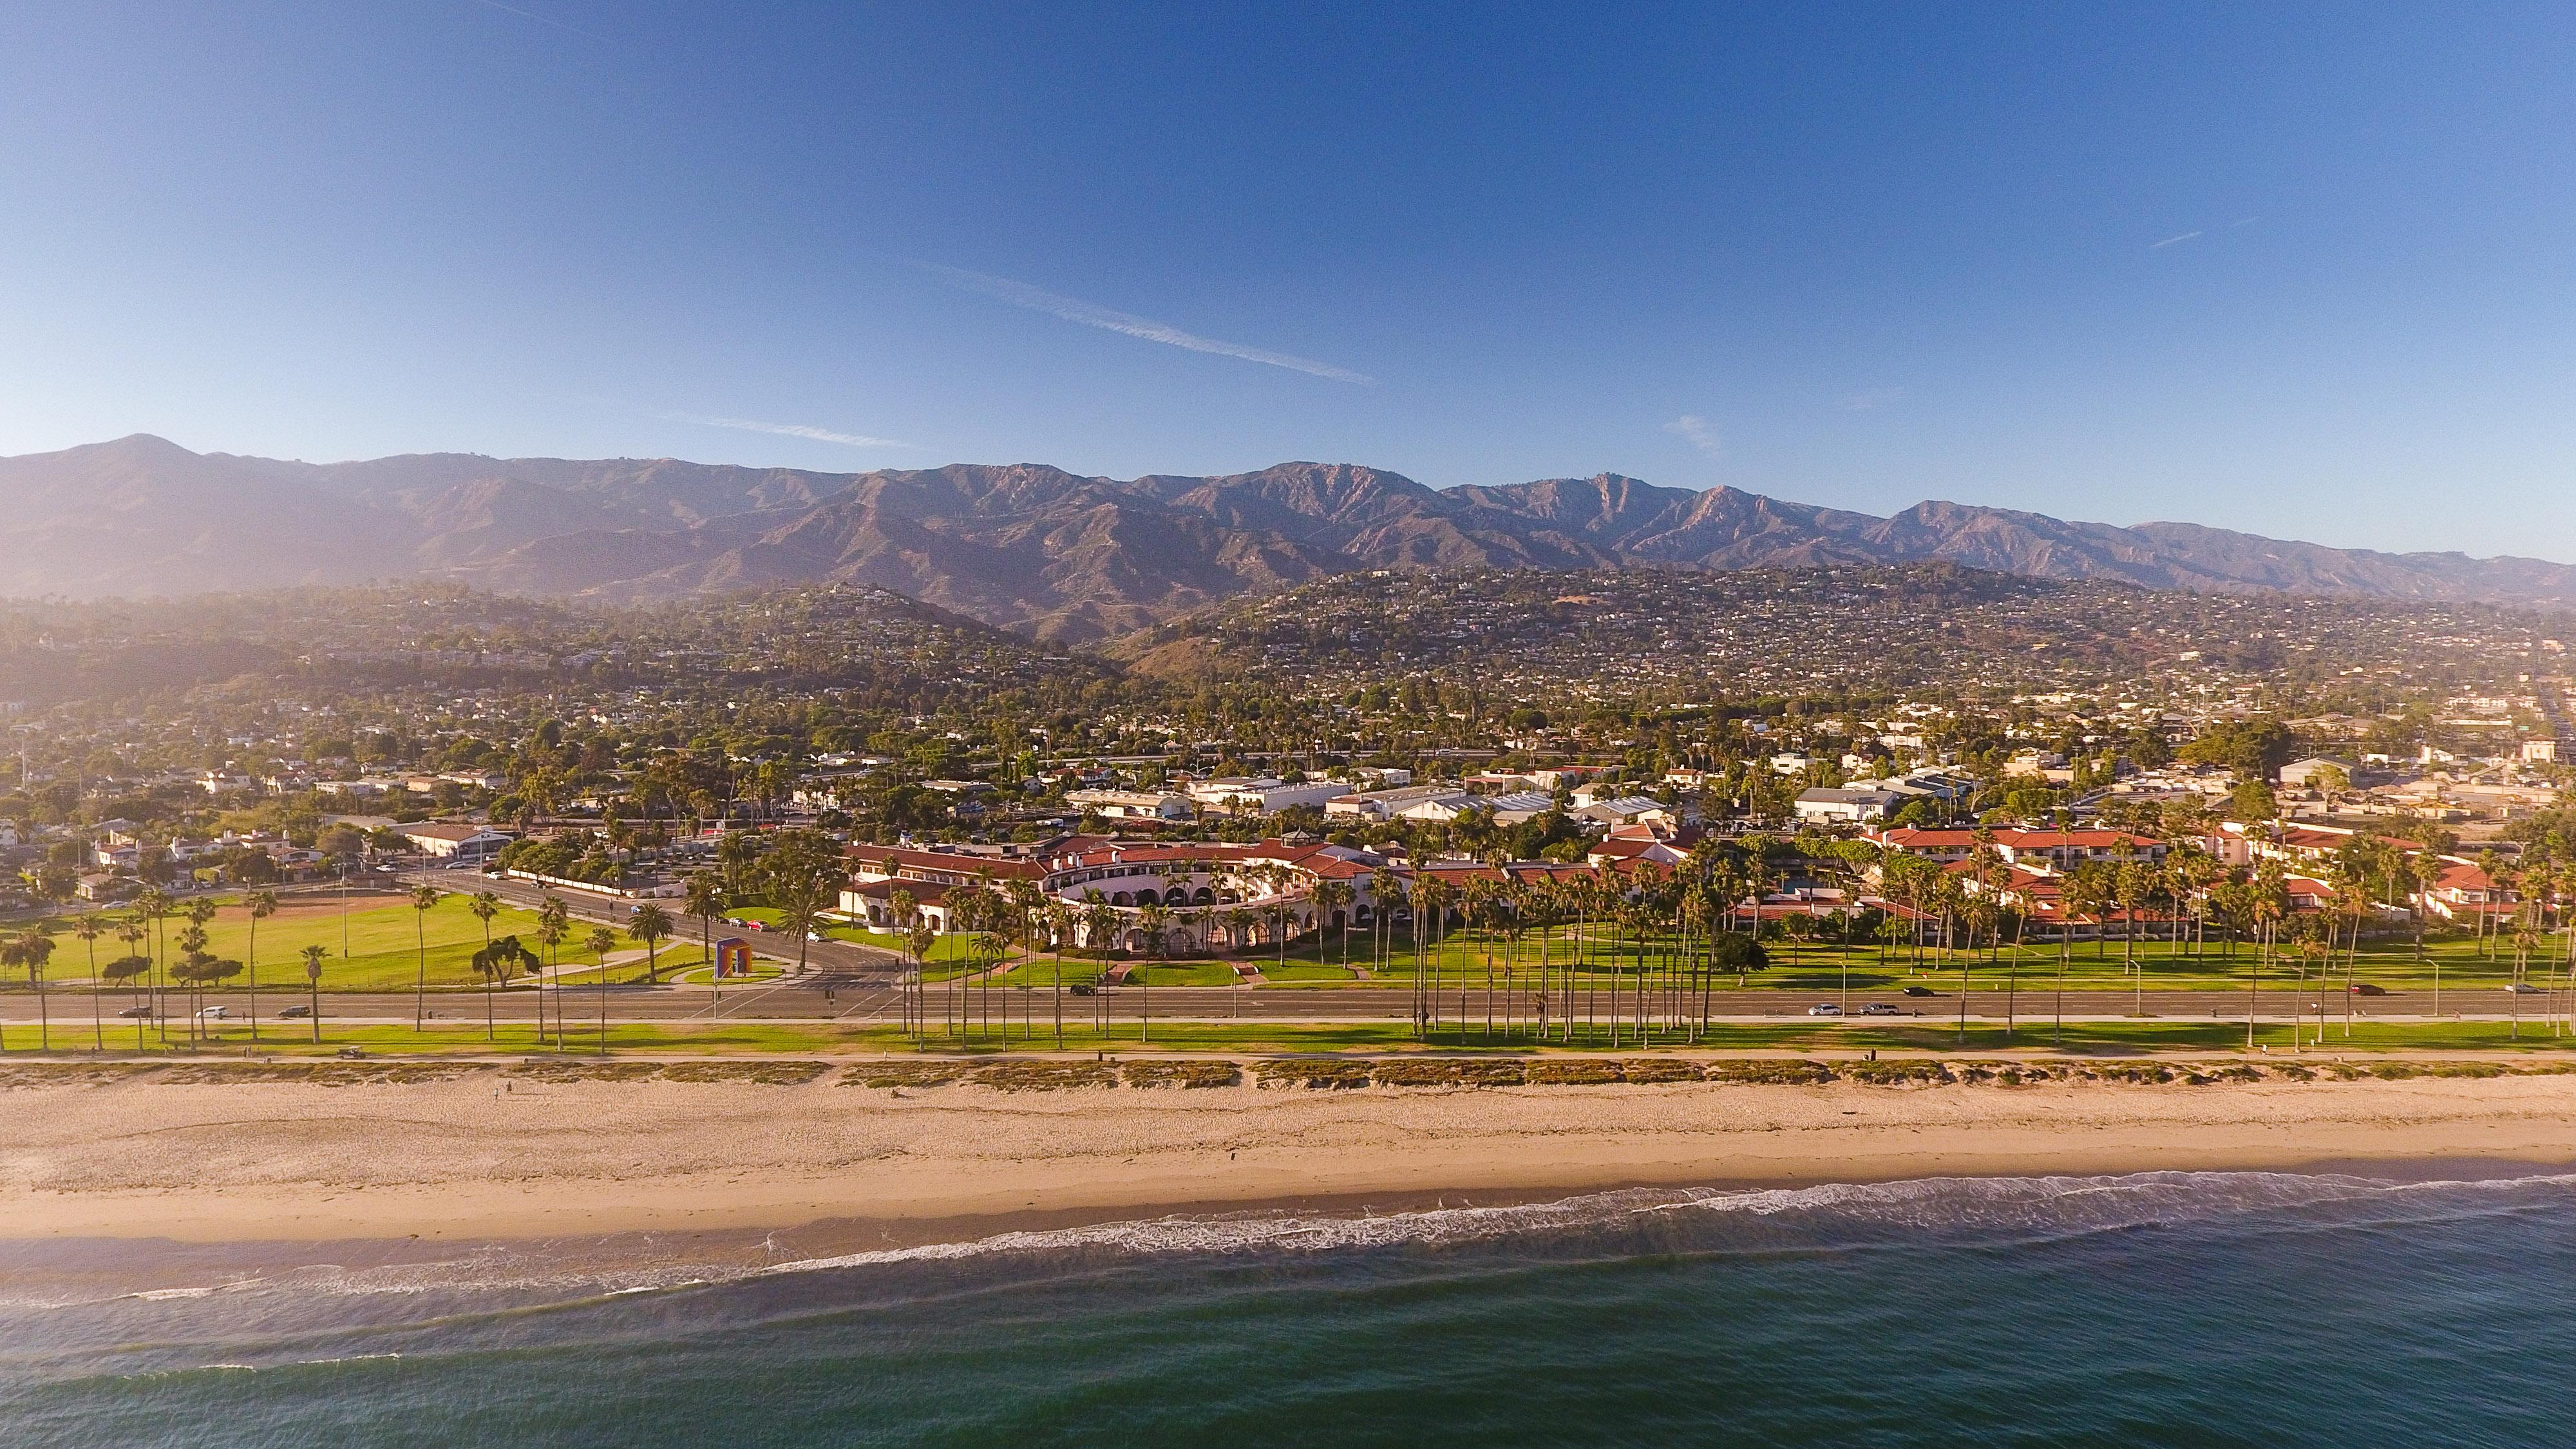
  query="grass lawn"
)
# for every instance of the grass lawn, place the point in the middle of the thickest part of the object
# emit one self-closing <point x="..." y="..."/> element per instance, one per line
<point x="1038" y="972"/>
<point x="949" y="947"/>
<point x="577" y="969"/>
<point x="2390" y="963"/>
<point x="1181" y="973"/>
<point x="384" y="938"/>
<point x="1305" y="973"/>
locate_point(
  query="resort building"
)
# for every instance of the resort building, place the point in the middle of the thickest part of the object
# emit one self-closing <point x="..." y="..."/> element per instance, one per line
<point x="1213" y="893"/>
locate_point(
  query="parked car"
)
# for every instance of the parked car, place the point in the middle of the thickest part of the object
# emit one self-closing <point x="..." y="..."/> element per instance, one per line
<point x="1824" y="1008"/>
<point x="1920" y="991"/>
<point x="1881" y="1008"/>
<point x="295" y="1013"/>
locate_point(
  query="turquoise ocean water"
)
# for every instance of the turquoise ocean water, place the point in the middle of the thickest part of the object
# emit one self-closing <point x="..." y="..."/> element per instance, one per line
<point x="2184" y="1309"/>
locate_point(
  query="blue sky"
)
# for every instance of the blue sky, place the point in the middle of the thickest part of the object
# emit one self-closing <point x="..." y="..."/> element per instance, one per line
<point x="2301" y="270"/>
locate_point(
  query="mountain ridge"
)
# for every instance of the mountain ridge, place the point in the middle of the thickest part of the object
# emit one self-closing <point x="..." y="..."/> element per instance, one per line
<point x="1063" y="556"/>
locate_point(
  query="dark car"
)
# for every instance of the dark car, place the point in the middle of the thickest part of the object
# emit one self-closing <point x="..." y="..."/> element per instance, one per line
<point x="1881" y="1008"/>
<point x="136" y="1011"/>
<point x="295" y="1013"/>
<point x="2364" y="988"/>
<point x="1083" y="988"/>
<point x="1920" y="991"/>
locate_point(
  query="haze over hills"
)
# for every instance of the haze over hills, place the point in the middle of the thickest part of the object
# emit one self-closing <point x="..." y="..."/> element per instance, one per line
<point x="1035" y="548"/>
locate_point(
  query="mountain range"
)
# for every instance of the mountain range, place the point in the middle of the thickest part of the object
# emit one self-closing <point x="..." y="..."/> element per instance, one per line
<point x="1034" y="548"/>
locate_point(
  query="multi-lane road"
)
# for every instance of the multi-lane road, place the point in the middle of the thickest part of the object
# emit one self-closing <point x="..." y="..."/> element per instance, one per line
<point x="860" y="996"/>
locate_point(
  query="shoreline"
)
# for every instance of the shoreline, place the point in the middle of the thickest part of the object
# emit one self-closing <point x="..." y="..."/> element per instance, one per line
<point x="470" y="1155"/>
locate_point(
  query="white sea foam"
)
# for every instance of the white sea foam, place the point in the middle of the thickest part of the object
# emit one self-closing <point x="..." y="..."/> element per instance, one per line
<point x="1832" y="1214"/>
<point x="2008" y="1207"/>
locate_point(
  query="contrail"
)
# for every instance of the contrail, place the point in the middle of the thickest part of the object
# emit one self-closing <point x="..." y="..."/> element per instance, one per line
<point x="1091" y="314"/>
<point x="787" y="430"/>
<point x="540" y="19"/>
<point x="2169" y="241"/>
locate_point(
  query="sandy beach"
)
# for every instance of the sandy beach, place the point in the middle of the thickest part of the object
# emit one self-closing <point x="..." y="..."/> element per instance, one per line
<point x="486" y="1151"/>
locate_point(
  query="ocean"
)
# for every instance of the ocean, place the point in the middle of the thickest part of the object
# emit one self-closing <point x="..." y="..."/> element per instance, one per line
<point x="2168" y="1308"/>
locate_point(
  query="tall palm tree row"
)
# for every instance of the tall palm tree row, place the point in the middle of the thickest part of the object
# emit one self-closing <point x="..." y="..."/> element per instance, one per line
<point x="89" y="926"/>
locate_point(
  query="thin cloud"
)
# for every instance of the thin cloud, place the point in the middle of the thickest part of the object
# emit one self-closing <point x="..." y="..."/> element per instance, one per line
<point x="1091" y="314"/>
<point x="1876" y="397"/>
<point x="1699" y="432"/>
<point x="540" y="19"/>
<point x="2169" y="241"/>
<point x="787" y="430"/>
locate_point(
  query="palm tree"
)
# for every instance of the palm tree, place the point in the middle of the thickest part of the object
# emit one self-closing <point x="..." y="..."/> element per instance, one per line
<point x="554" y="923"/>
<point x="1059" y="925"/>
<point x="1152" y="921"/>
<point x="31" y="948"/>
<point x="153" y="904"/>
<point x="601" y="941"/>
<point x="2492" y="866"/>
<point x="313" y="956"/>
<point x="89" y="926"/>
<point x="423" y="899"/>
<point x="193" y="957"/>
<point x="496" y="963"/>
<point x="485" y="906"/>
<point x="134" y="932"/>
<point x="262" y="904"/>
<point x="706" y="901"/>
<point x="900" y="910"/>
<point x="1331" y="897"/>
<point x="2131" y="883"/>
<point x="2427" y="878"/>
<point x="735" y="854"/>
<point x="2268" y="904"/>
<point x="651" y="925"/>
<point x="1028" y="922"/>
<point x="804" y="876"/>
<point x="920" y="937"/>
<point x="2079" y="894"/>
<point x="132" y="968"/>
<point x="1099" y="927"/>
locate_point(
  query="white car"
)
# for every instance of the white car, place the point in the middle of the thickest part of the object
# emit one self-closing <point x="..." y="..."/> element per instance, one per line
<point x="216" y="1013"/>
<point x="1824" y="1008"/>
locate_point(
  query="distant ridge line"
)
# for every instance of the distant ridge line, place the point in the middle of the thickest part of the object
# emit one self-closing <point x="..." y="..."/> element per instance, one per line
<point x="1035" y="548"/>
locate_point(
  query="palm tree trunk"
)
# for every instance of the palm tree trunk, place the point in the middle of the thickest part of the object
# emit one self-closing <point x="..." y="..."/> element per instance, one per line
<point x="2254" y="992"/>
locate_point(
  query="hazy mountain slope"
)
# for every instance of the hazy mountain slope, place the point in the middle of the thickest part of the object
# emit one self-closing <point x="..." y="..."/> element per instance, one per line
<point x="142" y="516"/>
<point x="1035" y="547"/>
